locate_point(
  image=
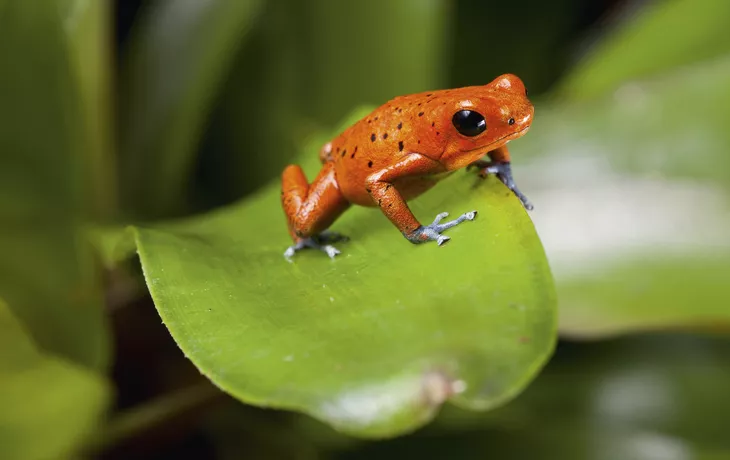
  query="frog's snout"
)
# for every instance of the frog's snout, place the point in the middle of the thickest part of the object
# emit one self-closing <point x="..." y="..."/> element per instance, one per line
<point x="525" y="120"/>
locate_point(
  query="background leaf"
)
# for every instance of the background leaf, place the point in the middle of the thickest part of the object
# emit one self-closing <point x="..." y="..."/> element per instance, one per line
<point x="376" y="69"/>
<point x="659" y="38"/>
<point x="376" y="340"/>
<point x="631" y="197"/>
<point x="532" y="39"/>
<point x="307" y="65"/>
<point x="86" y="27"/>
<point x="180" y="53"/>
<point x="49" y="404"/>
<point x="47" y="275"/>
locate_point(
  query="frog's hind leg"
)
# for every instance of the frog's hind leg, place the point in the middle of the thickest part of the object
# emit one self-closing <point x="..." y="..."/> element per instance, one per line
<point x="311" y="208"/>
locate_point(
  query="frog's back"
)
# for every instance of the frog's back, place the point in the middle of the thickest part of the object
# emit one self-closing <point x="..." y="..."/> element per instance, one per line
<point x="397" y="128"/>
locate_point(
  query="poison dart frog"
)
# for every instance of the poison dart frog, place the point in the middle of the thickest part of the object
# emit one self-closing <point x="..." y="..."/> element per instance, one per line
<point x="402" y="149"/>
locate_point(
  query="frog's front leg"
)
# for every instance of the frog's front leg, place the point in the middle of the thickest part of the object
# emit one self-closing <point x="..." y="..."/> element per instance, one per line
<point x="502" y="168"/>
<point x="380" y="187"/>
<point x="311" y="209"/>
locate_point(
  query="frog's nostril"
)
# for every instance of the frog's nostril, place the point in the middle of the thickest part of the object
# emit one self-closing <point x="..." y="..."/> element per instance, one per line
<point x="511" y="121"/>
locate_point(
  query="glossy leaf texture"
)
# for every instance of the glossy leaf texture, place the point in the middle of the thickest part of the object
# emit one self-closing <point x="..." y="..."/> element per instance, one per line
<point x="632" y="202"/>
<point x="376" y="340"/>
<point x="49" y="404"/>
<point x="47" y="275"/>
<point x="179" y="55"/>
<point x="650" y="40"/>
<point x="648" y="398"/>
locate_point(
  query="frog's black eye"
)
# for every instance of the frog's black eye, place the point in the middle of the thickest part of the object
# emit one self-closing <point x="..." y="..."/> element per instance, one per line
<point x="511" y="121"/>
<point x="469" y="123"/>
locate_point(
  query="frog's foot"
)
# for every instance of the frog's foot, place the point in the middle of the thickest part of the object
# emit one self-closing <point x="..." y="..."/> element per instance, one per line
<point x="320" y="242"/>
<point x="433" y="232"/>
<point x="503" y="171"/>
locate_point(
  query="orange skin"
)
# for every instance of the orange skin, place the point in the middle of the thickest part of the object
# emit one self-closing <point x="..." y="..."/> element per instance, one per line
<point x="402" y="149"/>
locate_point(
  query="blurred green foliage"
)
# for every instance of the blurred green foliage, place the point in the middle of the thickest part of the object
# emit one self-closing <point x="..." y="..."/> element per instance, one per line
<point x="47" y="274"/>
<point x="204" y="102"/>
<point x="50" y="404"/>
<point x="306" y="78"/>
<point x="179" y="54"/>
<point x="53" y="332"/>
<point x="668" y="35"/>
<point x="638" y="235"/>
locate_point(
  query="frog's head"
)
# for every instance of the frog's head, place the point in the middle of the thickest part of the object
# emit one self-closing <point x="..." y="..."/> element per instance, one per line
<point x="484" y="118"/>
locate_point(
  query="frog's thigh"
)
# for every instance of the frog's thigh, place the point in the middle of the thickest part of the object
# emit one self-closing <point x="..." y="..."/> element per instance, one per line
<point x="294" y="189"/>
<point x="314" y="210"/>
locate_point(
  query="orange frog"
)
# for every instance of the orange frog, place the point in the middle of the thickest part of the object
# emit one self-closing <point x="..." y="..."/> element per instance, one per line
<point x="402" y="149"/>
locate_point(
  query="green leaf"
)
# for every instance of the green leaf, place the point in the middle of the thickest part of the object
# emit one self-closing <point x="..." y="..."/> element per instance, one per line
<point x="49" y="405"/>
<point x="648" y="293"/>
<point x="87" y="28"/>
<point x="659" y="38"/>
<point x="47" y="274"/>
<point x="346" y="70"/>
<point x="374" y="341"/>
<point x="537" y="53"/>
<point x="632" y="203"/>
<point x="179" y="54"/>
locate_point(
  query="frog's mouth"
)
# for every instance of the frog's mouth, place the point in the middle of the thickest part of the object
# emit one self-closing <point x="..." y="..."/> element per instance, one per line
<point x="501" y="141"/>
<point x="515" y="135"/>
<point x="467" y="157"/>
